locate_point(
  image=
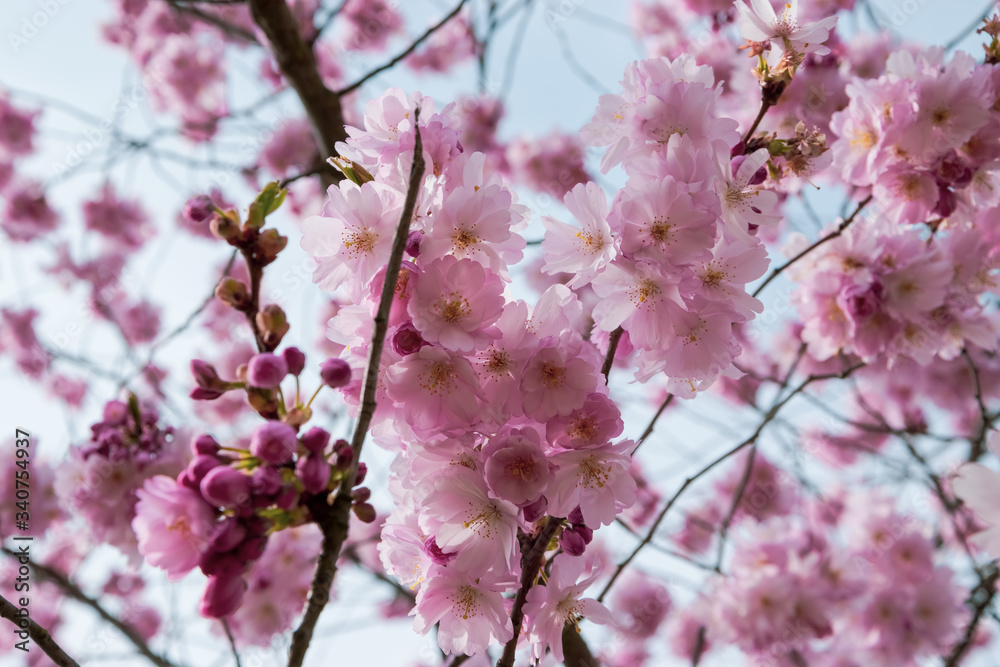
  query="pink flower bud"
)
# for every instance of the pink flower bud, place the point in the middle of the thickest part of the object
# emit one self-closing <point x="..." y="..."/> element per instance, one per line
<point x="201" y="465"/>
<point x="362" y="473"/>
<point x="361" y="494"/>
<point x="274" y="442"/>
<point x="204" y="444"/>
<point x="265" y="481"/>
<point x="406" y="340"/>
<point x="572" y="542"/>
<point x="435" y="553"/>
<point x="225" y="487"/>
<point x="266" y="370"/>
<point x="314" y="472"/>
<point x="535" y="510"/>
<point x="295" y="359"/>
<point x="287" y="498"/>
<point x="199" y="209"/>
<point x="223" y="596"/>
<point x="252" y="549"/>
<point x="315" y="440"/>
<point x="335" y="372"/>
<point x="227" y="535"/>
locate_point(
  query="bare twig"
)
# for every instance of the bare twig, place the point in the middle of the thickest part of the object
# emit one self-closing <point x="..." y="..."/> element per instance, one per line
<point x="230" y="29"/>
<point x="652" y="422"/>
<point x="980" y="600"/>
<point x="410" y="49"/>
<point x="41" y="636"/>
<point x="232" y="642"/>
<point x="957" y="39"/>
<point x="768" y="418"/>
<point x="979" y="441"/>
<point x="829" y="237"/>
<point x="73" y="591"/>
<point x="333" y="519"/>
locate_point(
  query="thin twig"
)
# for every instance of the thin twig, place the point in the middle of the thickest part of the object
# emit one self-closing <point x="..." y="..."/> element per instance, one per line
<point x="410" y="49"/>
<point x="232" y="642"/>
<point x="829" y="237"/>
<point x="72" y="590"/>
<point x="652" y="422"/>
<point x="531" y="563"/>
<point x="957" y="39"/>
<point x="333" y="519"/>
<point x="42" y="637"/>
<point x="979" y="443"/>
<point x="768" y="418"/>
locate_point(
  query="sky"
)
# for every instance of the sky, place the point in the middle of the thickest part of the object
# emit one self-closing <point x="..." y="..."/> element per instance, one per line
<point x="66" y="60"/>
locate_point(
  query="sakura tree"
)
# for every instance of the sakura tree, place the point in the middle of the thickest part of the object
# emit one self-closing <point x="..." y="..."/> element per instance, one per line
<point x="709" y="378"/>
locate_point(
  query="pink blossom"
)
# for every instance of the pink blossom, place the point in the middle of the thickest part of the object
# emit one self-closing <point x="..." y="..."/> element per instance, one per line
<point x="516" y="468"/>
<point x="371" y="23"/>
<point x="640" y="604"/>
<point x="455" y="304"/>
<point x="172" y="524"/>
<point x="27" y="215"/>
<point x="451" y="44"/>
<point x="469" y="612"/>
<point x="762" y="24"/>
<point x="594" y="425"/>
<point x="558" y="602"/>
<point x="582" y="251"/>
<point x="979" y="489"/>
<point x="464" y="518"/>
<point x="353" y="237"/>
<point x="596" y="480"/>
<point x="552" y="165"/>
<point x="17" y="129"/>
<point x="556" y="379"/>
<point x="435" y="389"/>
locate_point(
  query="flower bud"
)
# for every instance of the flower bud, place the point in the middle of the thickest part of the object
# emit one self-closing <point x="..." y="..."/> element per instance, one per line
<point x="266" y="370"/>
<point x="535" y="510"/>
<point x="252" y="549"/>
<point x="272" y="324"/>
<point x="225" y="487"/>
<point x="225" y="228"/>
<point x="223" y="596"/>
<point x="233" y="293"/>
<point x="204" y="444"/>
<point x="227" y="535"/>
<point x="572" y="542"/>
<point x="361" y="494"/>
<point x="576" y="516"/>
<point x="269" y="244"/>
<point x="287" y="498"/>
<point x="362" y="473"/>
<point x="316" y="439"/>
<point x="365" y="512"/>
<point x="314" y="472"/>
<point x="199" y="209"/>
<point x="335" y="372"/>
<point x="413" y="244"/>
<point x="406" y="340"/>
<point x="274" y="442"/>
<point x="201" y="465"/>
<point x="219" y="563"/>
<point x="295" y="359"/>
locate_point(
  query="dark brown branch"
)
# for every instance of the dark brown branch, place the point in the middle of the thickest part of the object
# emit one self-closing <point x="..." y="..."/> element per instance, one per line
<point x="576" y="653"/>
<point x="980" y="600"/>
<point x="768" y="418"/>
<point x="410" y="49"/>
<point x="297" y="62"/>
<point x="230" y="29"/>
<point x="609" y="360"/>
<point x="232" y="642"/>
<point x="652" y="422"/>
<point x="39" y="634"/>
<point x="73" y="591"/>
<point x="333" y="520"/>
<point x="829" y="237"/>
<point x="531" y="563"/>
<point x="979" y="441"/>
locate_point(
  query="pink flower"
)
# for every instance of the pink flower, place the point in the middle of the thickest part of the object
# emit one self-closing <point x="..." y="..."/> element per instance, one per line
<point x="762" y="24"/>
<point x="371" y="24"/>
<point x="464" y="518"/>
<point x="593" y="425"/>
<point x="596" y="480"/>
<point x="556" y="380"/>
<point x="557" y="603"/>
<point x="17" y="129"/>
<point x="172" y="524"/>
<point x="640" y="298"/>
<point x="662" y="223"/>
<point x="468" y="611"/>
<point x="274" y="442"/>
<point x="451" y="44"/>
<point x="516" y="467"/>
<point x="291" y="147"/>
<point x="436" y="390"/>
<point x="353" y="237"/>
<point x="552" y="165"/>
<point x="584" y="251"/>
<point x="979" y="489"/>
<point x="640" y="604"/>
<point x="455" y="304"/>
<point x="27" y="215"/>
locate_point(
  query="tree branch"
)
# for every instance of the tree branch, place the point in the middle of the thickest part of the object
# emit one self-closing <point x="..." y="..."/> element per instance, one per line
<point x="297" y="62"/>
<point x="41" y="636"/>
<point x="829" y="237"/>
<point x="609" y="360"/>
<point x="768" y="418"/>
<point x="73" y="591"/>
<point x="531" y="563"/>
<point x="333" y="520"/>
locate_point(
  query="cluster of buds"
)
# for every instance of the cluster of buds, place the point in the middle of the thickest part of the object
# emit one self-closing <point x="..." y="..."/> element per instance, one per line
<point x="128" y="432"/>
<point x="991" y="27"/>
